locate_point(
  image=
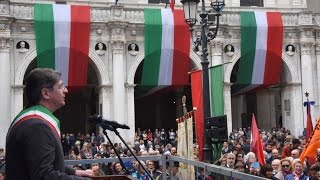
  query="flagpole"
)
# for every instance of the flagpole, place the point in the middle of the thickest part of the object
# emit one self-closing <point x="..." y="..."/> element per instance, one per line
<point x="190" y="11"/>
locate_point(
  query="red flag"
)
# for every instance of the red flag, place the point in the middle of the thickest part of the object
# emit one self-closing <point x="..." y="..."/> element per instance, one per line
<point x="197" y="101"/>
<point x="255" y="144"/>
<point x="172" y="2"/>
<point x="309" y="122"/>
<point x="310" y="150"/>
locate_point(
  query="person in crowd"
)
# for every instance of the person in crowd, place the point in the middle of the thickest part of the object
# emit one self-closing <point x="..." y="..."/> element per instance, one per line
<point x="275" y="164"/>
<point x="33" y="145"/>
<point x="151" y="168"/>
<point x="225" y="148"/>
<point x="231" y="159"/>
<point x="239" y="167"/>
<point x="295" y="154"/>
<point x="297" y="173"/>
<point x="175" y="171"/>
<point x="117" y="168"/>
<point x="313" y="171"/>
<point x="275" y="155"/>
<point x="285" y="169"/>
<point x="96" y="168"/>
<point x="266" y="171"/>
<point x="286" y="152"/>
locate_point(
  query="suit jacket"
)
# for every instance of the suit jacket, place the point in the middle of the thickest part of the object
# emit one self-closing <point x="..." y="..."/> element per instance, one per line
<point x="34" y="152"/>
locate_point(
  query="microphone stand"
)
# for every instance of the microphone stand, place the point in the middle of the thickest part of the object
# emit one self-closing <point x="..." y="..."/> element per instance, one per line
<point x="114" y="129"/>
<point x="105" y="127"/>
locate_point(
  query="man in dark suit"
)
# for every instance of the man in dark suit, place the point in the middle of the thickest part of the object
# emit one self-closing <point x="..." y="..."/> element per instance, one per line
<point x="33" y="146"/>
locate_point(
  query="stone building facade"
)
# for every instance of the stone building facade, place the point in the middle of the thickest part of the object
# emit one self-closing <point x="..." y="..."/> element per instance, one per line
<point x="115" y="63"/>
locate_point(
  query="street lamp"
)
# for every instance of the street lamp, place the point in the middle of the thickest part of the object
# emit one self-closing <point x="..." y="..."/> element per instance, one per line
<point x="209" y="28"/>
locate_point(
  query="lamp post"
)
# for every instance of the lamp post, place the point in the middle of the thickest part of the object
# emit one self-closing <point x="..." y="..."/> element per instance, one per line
<point x="209" y="28"/>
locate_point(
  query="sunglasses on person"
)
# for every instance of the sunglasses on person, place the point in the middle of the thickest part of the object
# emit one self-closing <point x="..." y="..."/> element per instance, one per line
<point x="285" y="165"/>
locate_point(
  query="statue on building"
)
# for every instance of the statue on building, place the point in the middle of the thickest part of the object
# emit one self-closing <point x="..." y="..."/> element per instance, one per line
<point x="290" y="50"/>
<point x="23" y="46"/>
<point x="100" y="48"/>
<point x="229" y="50"/>
<point x="133" y="49"/>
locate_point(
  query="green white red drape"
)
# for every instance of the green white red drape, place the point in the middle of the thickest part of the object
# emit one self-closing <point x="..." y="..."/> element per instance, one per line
<point x="62" y="40"/>
<point x="216" y="99"/>
<point x="167" y="48"/>
<point x="261" y="50"/>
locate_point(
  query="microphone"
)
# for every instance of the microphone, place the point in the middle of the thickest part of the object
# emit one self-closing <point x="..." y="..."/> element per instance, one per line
<point x="99" y="119"/>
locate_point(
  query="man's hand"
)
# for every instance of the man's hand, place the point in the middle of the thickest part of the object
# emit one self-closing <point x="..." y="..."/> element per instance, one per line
<point x="86" y="173"/>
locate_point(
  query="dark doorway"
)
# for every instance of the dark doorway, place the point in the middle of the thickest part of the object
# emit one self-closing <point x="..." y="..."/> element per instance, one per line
<point x="162" y="108"/>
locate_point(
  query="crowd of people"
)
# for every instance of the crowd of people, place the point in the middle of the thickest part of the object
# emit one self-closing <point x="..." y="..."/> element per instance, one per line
<point x="281" y="152"/>
<point x="146" y="142"/>
<point x="281" y="149"/>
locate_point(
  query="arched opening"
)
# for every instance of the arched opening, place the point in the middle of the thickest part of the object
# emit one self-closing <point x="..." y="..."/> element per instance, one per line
<point x="265" y="103"/>
<point x="160" y="109"/>
<point x="79" y="104"/>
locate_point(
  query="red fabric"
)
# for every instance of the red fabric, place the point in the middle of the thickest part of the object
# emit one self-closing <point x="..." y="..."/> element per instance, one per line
<point x="79" y="45"/>
<point x="256" y="145"/>
<point x="172" y="2"/>
<point x="274" y="49"/>
<point x="197" y="101"/>
<point x="286" y="151"/>
<point x="181" y="62"/>
<point x="309" y="122"/>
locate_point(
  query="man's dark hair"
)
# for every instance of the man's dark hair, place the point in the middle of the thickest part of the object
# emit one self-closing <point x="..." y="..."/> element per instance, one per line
<point x="38" y="79"/>
<point x="296" y="141"/>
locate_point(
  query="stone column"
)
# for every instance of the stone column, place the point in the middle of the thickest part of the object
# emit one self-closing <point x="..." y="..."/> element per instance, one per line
<point x="306" y="45"/>
<point x="5" y="90"/>
<point x="131" y="113"/>
<point x="118" y="80"/>
<point x="104" y="108"/>
<point x="227" y="106"/>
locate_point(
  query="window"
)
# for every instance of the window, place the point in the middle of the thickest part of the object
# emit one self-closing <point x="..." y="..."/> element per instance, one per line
<point x="158" y="1"/>
<point x="258" y="3"/>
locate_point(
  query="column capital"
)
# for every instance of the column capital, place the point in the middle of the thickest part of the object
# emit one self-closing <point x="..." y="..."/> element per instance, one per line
<point x="101" y="88"/>
<point x="118" y="40"/>
<point x="5" y="36"/>
<point x="306" y="47"/>
<point x="216" y="46"/>
<point x="318" y="42"/>
<point x="307" y="40"/>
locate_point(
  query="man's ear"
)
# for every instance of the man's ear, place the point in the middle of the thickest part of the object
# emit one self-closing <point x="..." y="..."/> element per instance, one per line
<point x="45" y="93"/>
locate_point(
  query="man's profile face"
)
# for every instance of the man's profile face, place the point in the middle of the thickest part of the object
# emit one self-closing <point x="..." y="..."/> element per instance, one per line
<point x="57" y="94"/>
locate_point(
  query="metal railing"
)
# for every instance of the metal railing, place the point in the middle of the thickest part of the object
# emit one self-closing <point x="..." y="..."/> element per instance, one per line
<point x="217" y="172"/>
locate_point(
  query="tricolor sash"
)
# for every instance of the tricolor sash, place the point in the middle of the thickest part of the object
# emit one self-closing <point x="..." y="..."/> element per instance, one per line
<point x="37" y="112"/>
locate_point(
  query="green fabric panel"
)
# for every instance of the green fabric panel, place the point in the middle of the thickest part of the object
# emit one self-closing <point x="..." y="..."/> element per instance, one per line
<point x="216" y="91"/>
<point x="44" y="31"/>
<point x="152" y="46"/>
<point x="248" y="47"/>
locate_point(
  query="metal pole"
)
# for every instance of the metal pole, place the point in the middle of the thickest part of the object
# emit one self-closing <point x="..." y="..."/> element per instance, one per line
<point x="207" y="148"/>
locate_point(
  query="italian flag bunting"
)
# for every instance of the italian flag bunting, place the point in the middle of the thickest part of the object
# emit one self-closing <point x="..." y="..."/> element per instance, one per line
<point x="62" y="40"/>
<point x="167" y="48"/>
<point x="261" y="50"/>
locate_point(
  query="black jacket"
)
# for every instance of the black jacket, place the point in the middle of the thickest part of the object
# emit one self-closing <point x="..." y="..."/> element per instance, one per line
<point x="34" y="152"/>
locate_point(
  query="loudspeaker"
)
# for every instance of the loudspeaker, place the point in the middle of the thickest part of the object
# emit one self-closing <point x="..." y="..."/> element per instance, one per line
<point x="216" y="128"/>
